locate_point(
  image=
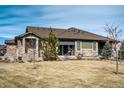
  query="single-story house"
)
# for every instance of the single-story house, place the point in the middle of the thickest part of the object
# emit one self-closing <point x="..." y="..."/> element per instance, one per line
<point x="72" y="41"/>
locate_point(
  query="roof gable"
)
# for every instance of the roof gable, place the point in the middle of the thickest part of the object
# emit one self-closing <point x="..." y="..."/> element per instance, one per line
<point x="26" y="34"/>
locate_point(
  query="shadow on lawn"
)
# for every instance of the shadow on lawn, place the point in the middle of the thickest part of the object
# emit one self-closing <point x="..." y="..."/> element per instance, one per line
<point x="120" y="73"/>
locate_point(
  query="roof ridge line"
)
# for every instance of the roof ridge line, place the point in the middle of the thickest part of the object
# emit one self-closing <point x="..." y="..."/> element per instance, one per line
<point x="91" y="33"/>
<point x="44" y="27"/>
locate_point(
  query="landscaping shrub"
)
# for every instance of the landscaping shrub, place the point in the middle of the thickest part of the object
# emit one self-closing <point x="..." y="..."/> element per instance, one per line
<point x="106" y="51"/>
<point x="79" y="56"/>
<point x="50" y="47"/>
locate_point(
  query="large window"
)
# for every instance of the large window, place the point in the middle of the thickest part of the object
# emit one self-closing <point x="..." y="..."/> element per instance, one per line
<point x="87" y="45"/>
<point x="94" y="45"/>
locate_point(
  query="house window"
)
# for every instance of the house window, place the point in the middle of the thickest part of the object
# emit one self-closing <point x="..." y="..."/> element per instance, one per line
<point x="78" y="45"/>
<point x="94" y="45"/>
<point x="87" y="45"/>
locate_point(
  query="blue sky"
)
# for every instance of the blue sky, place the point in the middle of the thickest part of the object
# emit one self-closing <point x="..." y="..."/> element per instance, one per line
<point x="14" y="19"/>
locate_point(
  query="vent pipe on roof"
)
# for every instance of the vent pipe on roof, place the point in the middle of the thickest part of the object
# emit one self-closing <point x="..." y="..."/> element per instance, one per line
<point x="26" y="29"/>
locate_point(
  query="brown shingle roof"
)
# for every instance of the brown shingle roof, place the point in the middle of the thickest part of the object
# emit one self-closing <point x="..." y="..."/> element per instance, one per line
<point x="71" y="33"/>
<point x="10" y="42"/>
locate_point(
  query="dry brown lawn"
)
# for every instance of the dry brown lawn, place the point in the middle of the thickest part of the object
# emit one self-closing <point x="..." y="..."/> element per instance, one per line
<point x="67" y="74"/>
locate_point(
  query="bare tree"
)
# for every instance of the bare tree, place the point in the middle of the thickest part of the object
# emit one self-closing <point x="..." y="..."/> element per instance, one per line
<point x="114" y="33"/>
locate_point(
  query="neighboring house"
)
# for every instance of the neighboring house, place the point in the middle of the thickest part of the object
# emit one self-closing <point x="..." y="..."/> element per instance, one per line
<point x="2" y="50"/>
<point x="73" y="41"/>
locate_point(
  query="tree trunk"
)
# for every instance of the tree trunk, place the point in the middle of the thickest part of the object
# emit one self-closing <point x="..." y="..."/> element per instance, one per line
<point x="116" y="61"/>
<point x="116" y="65"/>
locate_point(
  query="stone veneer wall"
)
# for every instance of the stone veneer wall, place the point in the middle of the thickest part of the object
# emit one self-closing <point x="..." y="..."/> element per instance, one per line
<point x="89" y="53"/>
<point x="19" y="51"/>
<point x="31" y="54"/>
<point x="11" y="53"/>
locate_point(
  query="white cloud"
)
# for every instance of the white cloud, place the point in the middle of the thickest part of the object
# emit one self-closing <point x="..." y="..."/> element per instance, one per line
<point x="7" y="35"/>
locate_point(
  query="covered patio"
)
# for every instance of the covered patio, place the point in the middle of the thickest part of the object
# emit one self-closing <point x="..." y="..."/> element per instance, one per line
<point x="67" y="48"/>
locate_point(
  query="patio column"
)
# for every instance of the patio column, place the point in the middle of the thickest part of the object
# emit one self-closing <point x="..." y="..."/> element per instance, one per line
<point x="37" y="45"/>
<point x="62" y="50"/>
<point x="23" y="45"/>
<point x="68" y="49"/>
<point x="17" y="52"/>
<point x="75" y="48"/>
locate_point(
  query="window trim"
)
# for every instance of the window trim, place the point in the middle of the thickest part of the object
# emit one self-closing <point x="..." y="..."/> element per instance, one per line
<point x="78" y="48"/>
